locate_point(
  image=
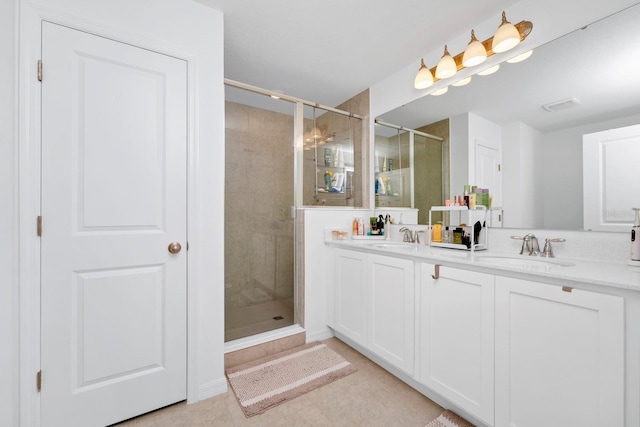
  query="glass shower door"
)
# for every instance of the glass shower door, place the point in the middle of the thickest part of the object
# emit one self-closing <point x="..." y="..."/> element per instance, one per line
<point x="259" y="229"/>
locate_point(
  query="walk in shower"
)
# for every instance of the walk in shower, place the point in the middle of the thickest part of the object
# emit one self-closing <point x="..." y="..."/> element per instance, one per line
<point x="270" y="144"/>
<point x="259" y="229"/>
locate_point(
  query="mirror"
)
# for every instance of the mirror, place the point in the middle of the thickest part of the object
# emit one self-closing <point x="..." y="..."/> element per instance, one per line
<point x="598" y="66"/>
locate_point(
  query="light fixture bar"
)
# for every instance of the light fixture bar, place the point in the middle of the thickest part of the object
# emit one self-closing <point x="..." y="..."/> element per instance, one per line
<point x="523" y="27"/>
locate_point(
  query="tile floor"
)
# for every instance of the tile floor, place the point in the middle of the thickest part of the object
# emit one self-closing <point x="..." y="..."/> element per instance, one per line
<point x="257" y="318"/>
<point x="369" y="397"/>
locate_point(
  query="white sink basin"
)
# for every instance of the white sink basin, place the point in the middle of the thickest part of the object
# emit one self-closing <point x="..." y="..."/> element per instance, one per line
<point x="522" y="261"/>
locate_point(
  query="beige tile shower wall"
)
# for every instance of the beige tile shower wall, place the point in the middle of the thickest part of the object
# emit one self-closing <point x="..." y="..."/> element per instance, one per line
<point x="359" y="105"/>
<point x="431" y="170"/>
<point x="334" y="122"/>
<point x="258" y="197"/>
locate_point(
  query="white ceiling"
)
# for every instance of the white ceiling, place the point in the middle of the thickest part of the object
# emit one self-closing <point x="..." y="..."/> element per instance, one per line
<point x="326" y="51"/>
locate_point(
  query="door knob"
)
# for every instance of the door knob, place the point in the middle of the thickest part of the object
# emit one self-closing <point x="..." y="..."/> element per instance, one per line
<point x="174" y="247"/>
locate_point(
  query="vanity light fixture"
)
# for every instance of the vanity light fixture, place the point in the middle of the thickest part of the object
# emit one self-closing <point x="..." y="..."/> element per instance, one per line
<point x="475" y="53"/>
<point x="520" y="58"/>
<point x="507" y="36"/>
<point x="424" y="78"/>
<point x="447" y="66"/>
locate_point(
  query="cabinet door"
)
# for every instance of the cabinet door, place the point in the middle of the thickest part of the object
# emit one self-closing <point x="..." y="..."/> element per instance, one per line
<point x="559" y="356"/>
<point x="350" y="295"/>
<point x="457" y="338"/>
<point x="391" y="315"/>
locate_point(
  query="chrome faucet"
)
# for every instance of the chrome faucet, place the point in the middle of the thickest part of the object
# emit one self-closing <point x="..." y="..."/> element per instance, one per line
<point x="529" y="244"/>
<point x="410" y="236"/>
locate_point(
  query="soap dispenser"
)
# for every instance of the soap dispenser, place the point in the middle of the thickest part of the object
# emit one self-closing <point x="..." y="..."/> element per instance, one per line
<point x="635" y="237"/>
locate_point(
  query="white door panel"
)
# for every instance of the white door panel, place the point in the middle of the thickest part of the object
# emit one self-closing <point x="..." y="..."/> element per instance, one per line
<point x="113" y="198"/>
<point x="488" y="174"/>
<point x="608" y="156"/>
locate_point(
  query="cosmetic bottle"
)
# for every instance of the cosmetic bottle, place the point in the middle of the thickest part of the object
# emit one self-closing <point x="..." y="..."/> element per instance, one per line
<point x="360" y="227"/>
<point x="457" y="236"/>
<point x="446" y="235"/>
<point x="437" y="233"/>
<point x="354" y="227"/>
<point x="467" y="190"/>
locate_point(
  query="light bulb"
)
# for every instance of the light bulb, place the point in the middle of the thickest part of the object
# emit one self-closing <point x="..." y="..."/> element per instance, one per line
<point x="424" y="79"/>
<point x="447" y="66"/>
<point x="507" y="36"/>
<point x="475" y="53"/>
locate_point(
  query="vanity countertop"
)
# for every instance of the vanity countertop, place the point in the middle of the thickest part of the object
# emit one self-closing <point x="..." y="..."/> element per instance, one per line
<point x="576" y="270"/>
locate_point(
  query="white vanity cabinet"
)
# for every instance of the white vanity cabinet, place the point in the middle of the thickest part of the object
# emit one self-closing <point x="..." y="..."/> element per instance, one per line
<point x="559" y="356"/>
<point x="374" y="305"/>
<point x="392" y="310"/>
<point x="456" y="337"/>
<point x="350" y="295"/>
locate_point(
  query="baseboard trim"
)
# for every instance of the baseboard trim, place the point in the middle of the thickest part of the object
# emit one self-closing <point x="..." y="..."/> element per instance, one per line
<point x="211" y="389"/>
<point x="319" y="335"/>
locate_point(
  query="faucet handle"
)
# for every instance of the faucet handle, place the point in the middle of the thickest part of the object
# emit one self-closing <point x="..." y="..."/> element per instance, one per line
<point x="548" y="252"/>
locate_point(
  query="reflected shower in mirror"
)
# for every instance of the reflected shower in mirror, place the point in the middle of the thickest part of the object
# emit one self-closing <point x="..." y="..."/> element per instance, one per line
<point x="411" y="167"/>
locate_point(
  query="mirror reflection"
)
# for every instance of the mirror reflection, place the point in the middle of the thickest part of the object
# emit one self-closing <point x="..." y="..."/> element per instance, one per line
<point x="582" y="83"/>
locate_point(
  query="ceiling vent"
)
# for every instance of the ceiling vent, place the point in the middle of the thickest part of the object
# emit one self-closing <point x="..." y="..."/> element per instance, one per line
<point x="561" y="105"/>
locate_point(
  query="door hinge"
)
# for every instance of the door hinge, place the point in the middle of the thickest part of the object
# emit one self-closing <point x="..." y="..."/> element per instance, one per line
<point x="39" y="70"/>
<point x="499" y="167"/>
<point x="39" y="380"/>
<point x="39" y="226"/>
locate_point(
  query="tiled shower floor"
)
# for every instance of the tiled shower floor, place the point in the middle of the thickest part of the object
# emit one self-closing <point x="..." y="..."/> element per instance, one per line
<point x="257" y="318"/>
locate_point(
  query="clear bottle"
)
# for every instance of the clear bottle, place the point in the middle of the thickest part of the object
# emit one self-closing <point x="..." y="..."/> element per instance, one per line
<point x="354" y="227"/>
<point x="446" y="235"/>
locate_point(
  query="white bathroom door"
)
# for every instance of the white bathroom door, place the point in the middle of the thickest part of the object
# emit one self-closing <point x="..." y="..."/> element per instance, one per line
<point x="113" y="297"/>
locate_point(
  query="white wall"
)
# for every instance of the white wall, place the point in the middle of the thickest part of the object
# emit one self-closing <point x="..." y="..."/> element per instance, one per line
<point x="459" y="154"/>
<point x="8" y="219"/>
<point x="521" y="172"/>
<point x="188" y="30"/>
<point x="562" y="177"/>
<point x="316" y="273"/>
